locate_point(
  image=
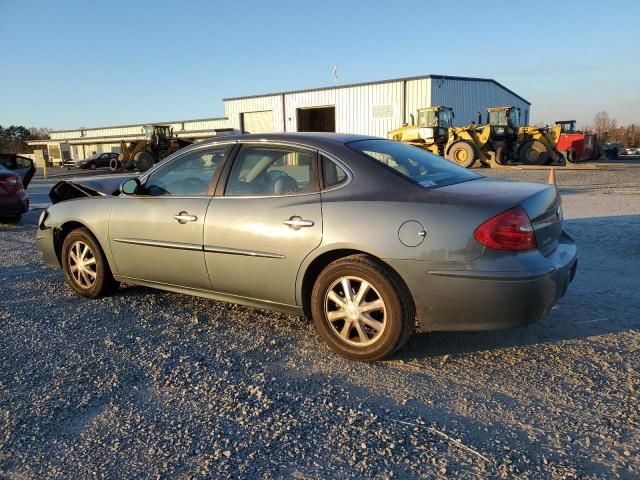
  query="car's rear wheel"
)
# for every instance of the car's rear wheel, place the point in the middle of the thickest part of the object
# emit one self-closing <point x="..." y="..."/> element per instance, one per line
<point x="361" y="308"/>
<point x="115" y="164"/>
<point x="85" y="266"/>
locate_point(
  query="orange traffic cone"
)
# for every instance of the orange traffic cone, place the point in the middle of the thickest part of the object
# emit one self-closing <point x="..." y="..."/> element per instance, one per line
<point x="552" y="177"/>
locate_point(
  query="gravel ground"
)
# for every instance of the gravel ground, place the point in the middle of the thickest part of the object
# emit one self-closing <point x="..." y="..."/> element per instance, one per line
<point x="154" y="385"/>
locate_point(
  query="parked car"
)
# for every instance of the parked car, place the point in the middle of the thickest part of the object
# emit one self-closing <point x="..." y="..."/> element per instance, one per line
<point x="23" y="166"/>
<point x="98" y="160"/>
<point x="630" y="151"/>
<point x="14" y="200"/>
<point x="369" y="237"/>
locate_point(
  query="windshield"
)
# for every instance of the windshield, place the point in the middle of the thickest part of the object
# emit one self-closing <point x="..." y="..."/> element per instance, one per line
<point x="413" y="163"/>
<point x="514" y="117"/>
<point x="446" y="118"/>
<point x="498" y="118"/>
<point x="427" y="118"/>
<point x="569" y="127"/>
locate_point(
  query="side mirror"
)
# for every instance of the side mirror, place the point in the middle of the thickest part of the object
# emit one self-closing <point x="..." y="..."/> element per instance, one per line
<point x="130" y="187"/>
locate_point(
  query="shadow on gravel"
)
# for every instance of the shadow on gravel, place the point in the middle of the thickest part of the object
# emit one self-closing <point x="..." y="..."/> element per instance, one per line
<point x="603" y="299"/>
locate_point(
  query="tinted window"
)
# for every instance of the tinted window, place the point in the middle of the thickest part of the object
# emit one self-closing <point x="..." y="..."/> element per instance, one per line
<point x="270" y="171"/>
<point x="414" y="163"/>
<point x="23" y="162"/>
<point x="332" y="173"/>
<point x="189" y="174"/>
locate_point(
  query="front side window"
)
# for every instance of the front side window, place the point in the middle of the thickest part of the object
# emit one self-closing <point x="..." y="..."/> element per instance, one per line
<point x="267" y="170"/>
<point x="188" y="175"/>
<point x="418" y="165"/>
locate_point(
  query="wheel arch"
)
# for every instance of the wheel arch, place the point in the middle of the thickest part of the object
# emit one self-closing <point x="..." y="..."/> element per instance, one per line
<point x="63" y="230"/>
<point x="313" y="266"/>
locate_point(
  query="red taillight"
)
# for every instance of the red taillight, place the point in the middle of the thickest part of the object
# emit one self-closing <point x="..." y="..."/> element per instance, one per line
<point x="511" y="230"/>
<point x="11" y="183"/>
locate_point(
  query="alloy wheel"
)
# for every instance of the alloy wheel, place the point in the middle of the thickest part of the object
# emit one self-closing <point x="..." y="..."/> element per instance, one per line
<point x="355" y="311"/>
<point x="82" y="264"/>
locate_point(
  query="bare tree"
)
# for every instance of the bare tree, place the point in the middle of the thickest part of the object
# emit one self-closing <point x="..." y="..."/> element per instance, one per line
<point x="604" y="126"/>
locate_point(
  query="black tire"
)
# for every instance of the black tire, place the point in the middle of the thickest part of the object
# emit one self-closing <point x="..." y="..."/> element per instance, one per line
<point x="571" y="155"/>
<point x="398" y="315"/>
<point x="500" y="156"/>
<point x="533" y="153"/>
<point x="93" y="166"/>
<point x="11" y="219"/>
<point x="462" y="153"/>
<point x="103" y="283"/>
<point x="143" y="161"/>
<point x="115" y="164"/>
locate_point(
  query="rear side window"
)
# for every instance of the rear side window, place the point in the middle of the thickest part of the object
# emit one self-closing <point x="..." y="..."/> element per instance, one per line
<point x="415" y="164"/>
<point x="332" y="173"/>
<point x="266" y="170"/>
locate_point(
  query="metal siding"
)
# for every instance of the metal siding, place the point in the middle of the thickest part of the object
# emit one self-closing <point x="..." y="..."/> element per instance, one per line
<point x="418" y="96"/>
<point x="258" y="122"/>
<point x="233" y="109"/>
<point x="469" y="97"/>
<point x="353" y="107"/>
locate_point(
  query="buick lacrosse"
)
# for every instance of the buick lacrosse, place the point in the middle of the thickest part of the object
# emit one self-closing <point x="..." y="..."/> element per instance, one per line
<point x="369" y="237"/>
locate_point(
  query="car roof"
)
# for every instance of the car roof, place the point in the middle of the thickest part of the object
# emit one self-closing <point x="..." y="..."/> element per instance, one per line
<point x="314" y="138"/>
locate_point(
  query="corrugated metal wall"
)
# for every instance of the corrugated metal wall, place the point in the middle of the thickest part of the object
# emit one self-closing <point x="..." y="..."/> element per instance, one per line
<point x="468" y="97"/>
<point x="418" y="96"/>
<point x="234" y="108"/>
<point x="370" y="109"/>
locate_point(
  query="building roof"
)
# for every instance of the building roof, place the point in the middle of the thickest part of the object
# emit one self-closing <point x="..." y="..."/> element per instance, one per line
<point x="391" y="80"/>
<point x="140" y="124"/>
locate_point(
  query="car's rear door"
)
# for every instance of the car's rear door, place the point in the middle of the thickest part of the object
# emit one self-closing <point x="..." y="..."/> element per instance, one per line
<point x="157" y="235"/>
<point x="263" y="222"/>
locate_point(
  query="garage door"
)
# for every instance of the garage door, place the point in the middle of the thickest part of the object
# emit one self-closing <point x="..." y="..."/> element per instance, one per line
<point x="257" y="122"/>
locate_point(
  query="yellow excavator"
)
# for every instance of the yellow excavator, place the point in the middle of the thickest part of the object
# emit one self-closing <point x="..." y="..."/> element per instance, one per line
<point x="140" y="155"/>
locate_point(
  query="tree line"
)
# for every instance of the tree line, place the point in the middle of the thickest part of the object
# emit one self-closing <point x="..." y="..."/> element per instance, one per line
<point x="608" y="130"/>
<point x="14" y="139"/>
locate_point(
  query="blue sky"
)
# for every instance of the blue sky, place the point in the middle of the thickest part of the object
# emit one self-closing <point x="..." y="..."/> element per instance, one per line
<point x="67" y="64"/>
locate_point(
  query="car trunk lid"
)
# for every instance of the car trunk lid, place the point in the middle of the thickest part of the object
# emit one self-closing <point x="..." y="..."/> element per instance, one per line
<point x="494" y="196"/>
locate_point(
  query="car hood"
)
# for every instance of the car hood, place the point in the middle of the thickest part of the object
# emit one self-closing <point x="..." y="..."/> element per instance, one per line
<point x="87" y="187"/>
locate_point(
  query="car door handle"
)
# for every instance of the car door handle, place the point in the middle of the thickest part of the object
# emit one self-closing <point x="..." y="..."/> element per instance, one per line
<point x="184" y="217"/>
<point x="297" y="223"/>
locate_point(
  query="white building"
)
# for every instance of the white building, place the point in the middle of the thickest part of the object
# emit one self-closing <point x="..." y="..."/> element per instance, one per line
<point x="371" y="108"/>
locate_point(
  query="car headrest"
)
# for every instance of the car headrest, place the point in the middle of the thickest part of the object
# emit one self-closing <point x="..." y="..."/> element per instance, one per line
<point x="285" y="184"/>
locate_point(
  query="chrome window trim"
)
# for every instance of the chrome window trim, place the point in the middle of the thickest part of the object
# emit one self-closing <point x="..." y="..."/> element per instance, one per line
<point x="191" y="149"/>
<point x="285" y="143"/>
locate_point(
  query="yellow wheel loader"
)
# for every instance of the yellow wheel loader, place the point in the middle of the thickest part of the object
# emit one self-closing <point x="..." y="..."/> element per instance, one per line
<point x="434" y="132"/>
<point x="141" y="155"/>
<point x="431" y="131"/>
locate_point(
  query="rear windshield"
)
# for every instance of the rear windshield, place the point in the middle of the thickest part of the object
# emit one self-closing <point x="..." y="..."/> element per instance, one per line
<point x="416" y="164"/>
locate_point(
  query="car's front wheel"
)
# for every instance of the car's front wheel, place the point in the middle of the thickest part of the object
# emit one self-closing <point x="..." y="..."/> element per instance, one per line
<point x="85" y="266"/>
<point x="362" y="309"/>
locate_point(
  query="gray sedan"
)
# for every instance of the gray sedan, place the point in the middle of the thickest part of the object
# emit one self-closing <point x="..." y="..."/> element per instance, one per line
<point x="369" y="237"/>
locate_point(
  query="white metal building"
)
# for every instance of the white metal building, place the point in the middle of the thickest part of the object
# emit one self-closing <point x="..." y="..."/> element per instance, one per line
<point x="371" y="108"/>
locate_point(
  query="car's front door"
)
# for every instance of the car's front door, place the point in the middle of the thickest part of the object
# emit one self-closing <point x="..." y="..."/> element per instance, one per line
<point x="267" y="221"/>
<point x="156" y="235"/>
